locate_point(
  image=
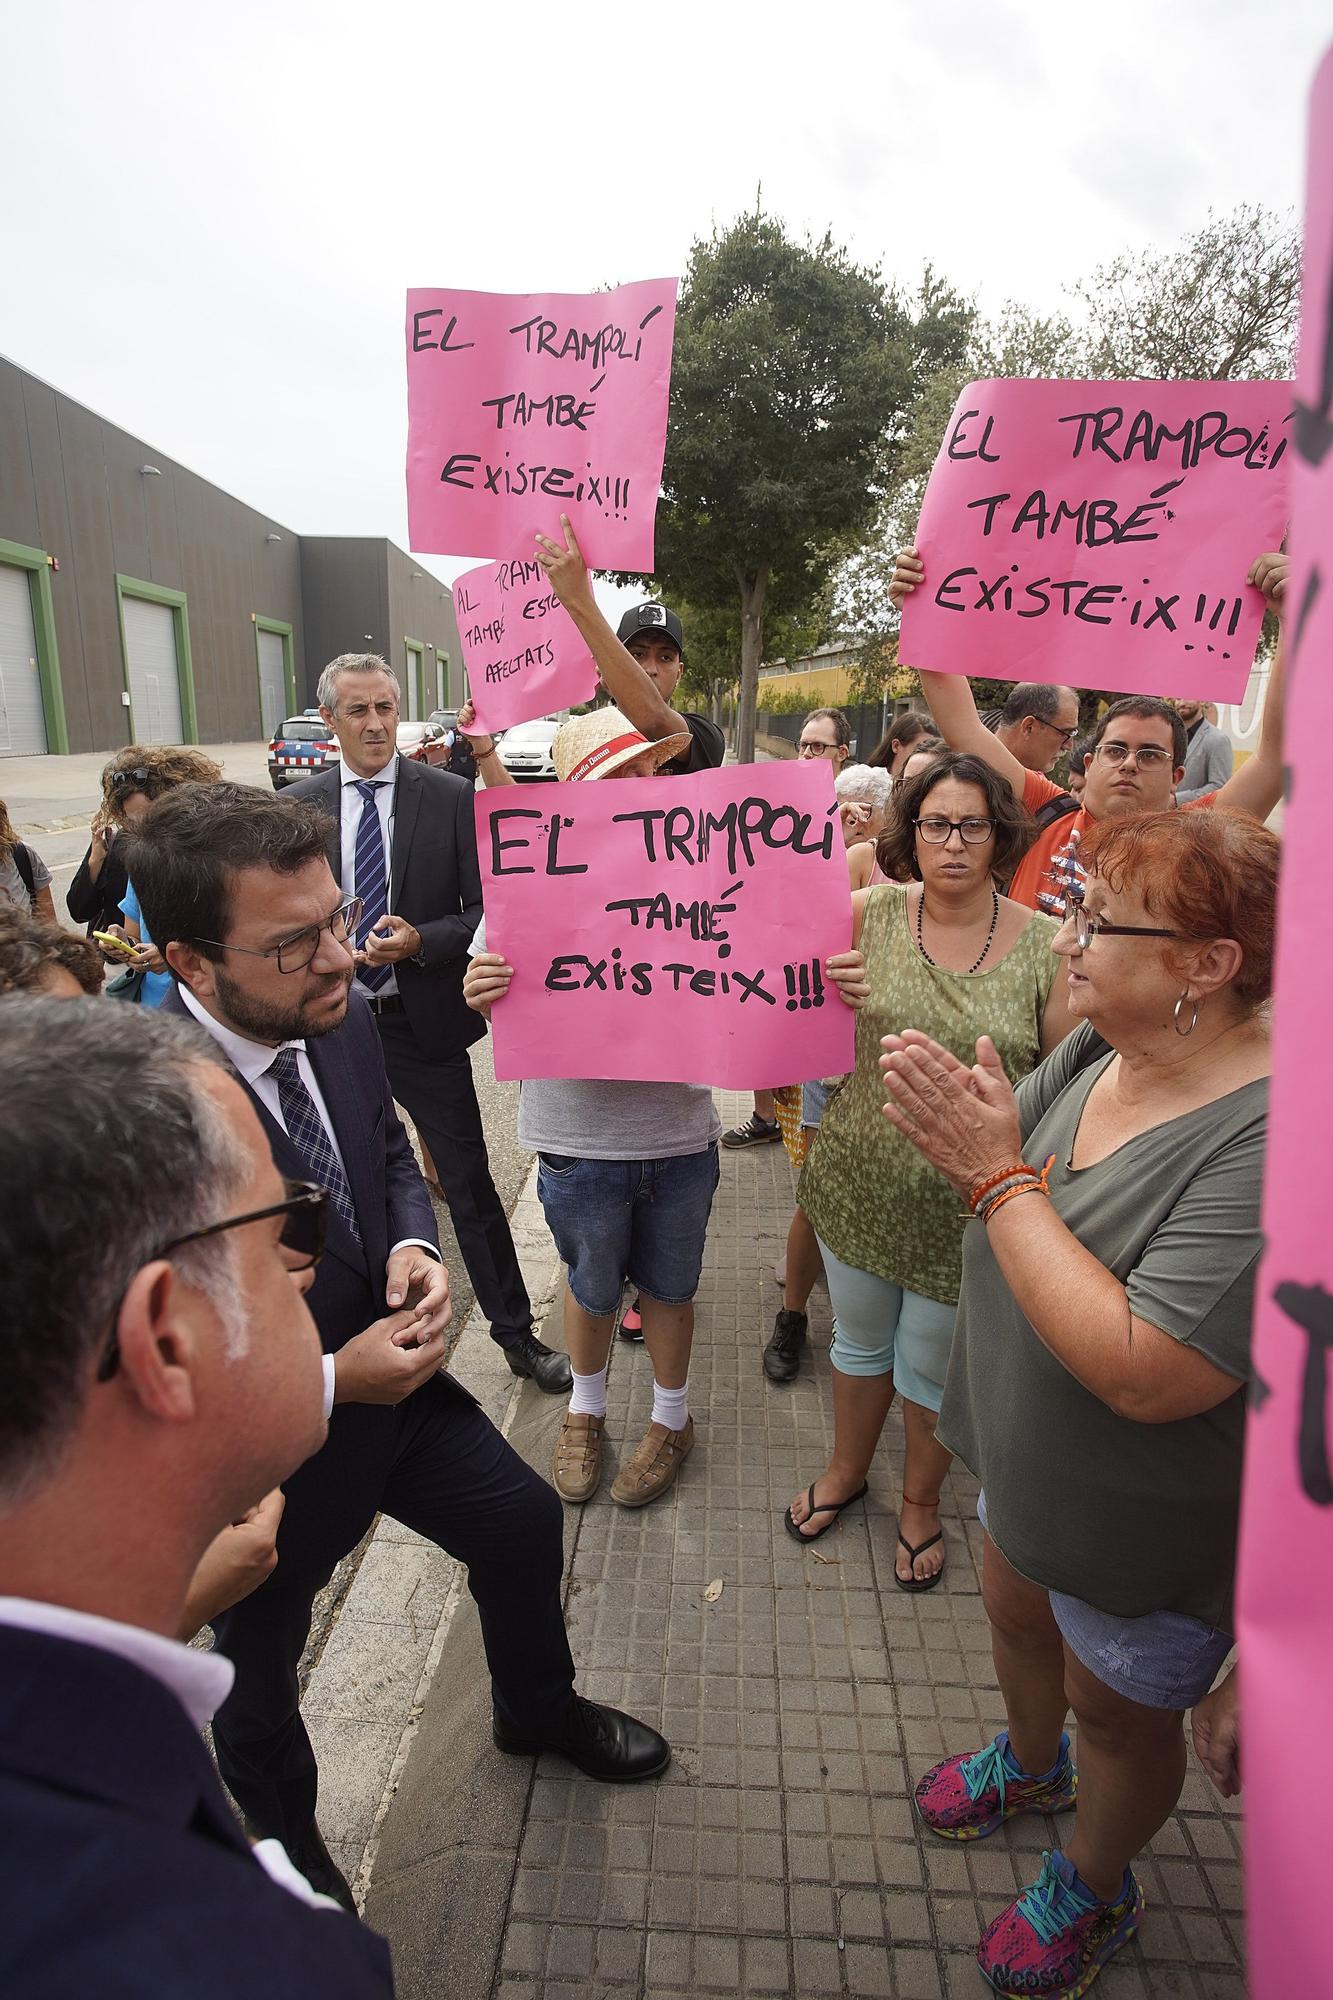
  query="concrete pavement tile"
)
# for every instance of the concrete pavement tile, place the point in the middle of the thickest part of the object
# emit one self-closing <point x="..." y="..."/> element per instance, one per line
<point x="619" y="1957"/>
<point x="818" y="1966"/>
<point x="767" y="1966"/>
<point x="907" y="1916"/>
<point x="916" y="1976"/>
<point x="867" y="1972"/>
<point x="368" y="1672"/>
<point x="524" y="1947"/>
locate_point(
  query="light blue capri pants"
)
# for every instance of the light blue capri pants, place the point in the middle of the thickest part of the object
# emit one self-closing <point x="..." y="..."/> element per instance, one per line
<point x="880" y="1329"/>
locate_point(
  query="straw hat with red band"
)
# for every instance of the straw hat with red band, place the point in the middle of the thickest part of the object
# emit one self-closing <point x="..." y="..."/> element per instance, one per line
<point x="597" y="745"/>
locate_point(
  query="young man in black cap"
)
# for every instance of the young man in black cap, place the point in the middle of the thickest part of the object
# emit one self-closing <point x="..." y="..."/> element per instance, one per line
<point x="640" y="663"/>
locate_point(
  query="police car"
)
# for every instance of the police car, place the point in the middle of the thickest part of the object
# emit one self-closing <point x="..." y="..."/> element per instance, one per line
<point x="303" y="745"/>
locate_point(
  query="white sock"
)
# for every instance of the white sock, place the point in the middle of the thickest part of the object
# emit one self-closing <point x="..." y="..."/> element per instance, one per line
<point x="589" y="1397"/>
<point x="671" y="1407"/>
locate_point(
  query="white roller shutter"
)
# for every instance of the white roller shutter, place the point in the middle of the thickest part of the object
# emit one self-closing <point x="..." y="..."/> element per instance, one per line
<point x="155" y="689"/>
<point x="22" y="717"/>
<point x="272" y="681"/>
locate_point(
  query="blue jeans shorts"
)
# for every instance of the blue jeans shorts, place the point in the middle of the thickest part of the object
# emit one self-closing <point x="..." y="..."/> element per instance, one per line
<point x="644" y="1220"/>
<point x="1162" y="1660"/>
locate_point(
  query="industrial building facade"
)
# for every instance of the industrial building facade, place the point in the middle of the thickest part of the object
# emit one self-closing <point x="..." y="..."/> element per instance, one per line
<point x="140" y="604"/>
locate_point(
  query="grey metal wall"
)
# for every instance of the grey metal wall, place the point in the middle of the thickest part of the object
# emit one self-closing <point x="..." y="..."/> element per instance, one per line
<point x="364" y="594"/>
<point x="70" y="484"/>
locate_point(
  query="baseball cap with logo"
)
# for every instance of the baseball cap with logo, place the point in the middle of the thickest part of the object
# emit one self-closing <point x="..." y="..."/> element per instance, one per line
<point x="651" y="617"/>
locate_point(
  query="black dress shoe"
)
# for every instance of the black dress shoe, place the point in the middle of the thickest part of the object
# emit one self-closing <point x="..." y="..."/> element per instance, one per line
<point x="311" y="1858"/>
<point x="782" y="1356"/>
<point x="603" y="1742"/>
<point x="542" y="1365"/>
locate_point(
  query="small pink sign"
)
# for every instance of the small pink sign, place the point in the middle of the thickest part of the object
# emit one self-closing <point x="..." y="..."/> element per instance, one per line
<point x="520" y="409"/>
<point x="1099" y="534"/>
<point x="670" y="929"/>
<point x="522" y="650"/>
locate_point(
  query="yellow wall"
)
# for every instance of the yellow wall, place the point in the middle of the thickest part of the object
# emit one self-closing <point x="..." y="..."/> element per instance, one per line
<point x="825" y="687"/>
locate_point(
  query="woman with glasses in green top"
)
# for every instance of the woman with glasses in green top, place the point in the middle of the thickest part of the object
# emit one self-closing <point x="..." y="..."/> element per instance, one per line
<point x="943" y="946"/>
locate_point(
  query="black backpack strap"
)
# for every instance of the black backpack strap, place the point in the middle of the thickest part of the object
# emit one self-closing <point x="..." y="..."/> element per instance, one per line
<point x="1059" y="807"/>
<point x="23" y="862"/>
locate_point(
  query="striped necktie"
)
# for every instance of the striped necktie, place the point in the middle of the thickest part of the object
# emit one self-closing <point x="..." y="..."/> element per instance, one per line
<point x="305" y="1129"/>
<point x="372" y="879"/>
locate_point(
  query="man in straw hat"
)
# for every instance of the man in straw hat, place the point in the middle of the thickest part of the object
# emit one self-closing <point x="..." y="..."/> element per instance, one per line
<point x="626" y="1184"/>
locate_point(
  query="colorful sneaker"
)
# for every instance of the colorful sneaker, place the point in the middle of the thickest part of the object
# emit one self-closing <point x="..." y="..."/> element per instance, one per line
<point x="968" y="1796"/>
<point x="1057" y="1937"/>
<point x="631" y="1321"/>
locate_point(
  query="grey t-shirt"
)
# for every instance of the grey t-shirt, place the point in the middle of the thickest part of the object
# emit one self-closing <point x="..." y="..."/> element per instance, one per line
<point x="585" y="1119"/>
<point x="13" y="888"/>
<point x="1133" y="1517"/>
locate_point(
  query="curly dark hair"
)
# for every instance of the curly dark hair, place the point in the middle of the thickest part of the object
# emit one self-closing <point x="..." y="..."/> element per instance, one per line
<point x="1015" y="827"/>
<point x="164" y="766"/>
<point x="29" y="948"/>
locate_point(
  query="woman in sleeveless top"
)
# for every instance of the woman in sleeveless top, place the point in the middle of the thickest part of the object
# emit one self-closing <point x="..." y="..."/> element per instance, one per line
<point x="945" y="949"/>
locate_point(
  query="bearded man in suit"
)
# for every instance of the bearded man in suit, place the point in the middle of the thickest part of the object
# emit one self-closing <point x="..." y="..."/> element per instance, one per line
<point x="237" y="891"/>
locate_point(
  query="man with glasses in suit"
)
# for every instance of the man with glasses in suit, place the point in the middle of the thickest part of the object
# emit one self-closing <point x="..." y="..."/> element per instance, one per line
<point x="237" y="887"/>
<point x="159" y="1373"/>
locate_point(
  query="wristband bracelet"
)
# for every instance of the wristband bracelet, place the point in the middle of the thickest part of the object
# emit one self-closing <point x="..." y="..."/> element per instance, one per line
<point x="980" y="1189"/>
<point x="1019" y="1171"/>
<point x="1033" y="1186"/>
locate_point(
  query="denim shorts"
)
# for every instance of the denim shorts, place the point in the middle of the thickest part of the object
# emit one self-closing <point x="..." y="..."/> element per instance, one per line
<point x="644" y="1220"/>
<point x="1161" y="1660"/>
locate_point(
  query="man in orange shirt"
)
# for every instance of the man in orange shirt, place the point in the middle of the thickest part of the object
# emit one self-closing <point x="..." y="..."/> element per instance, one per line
<point x="1137" y="757"/>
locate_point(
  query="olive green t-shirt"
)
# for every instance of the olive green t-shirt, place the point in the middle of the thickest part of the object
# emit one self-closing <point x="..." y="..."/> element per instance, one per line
<point x="1132" y="1517"/>
<point x="865" y="1188"/>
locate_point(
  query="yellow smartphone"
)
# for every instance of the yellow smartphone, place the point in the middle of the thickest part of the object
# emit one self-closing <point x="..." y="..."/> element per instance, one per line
<point x="117" y="944"/>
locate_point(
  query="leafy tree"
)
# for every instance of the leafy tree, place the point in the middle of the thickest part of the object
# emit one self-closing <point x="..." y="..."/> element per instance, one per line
<point x="794" y="376"/>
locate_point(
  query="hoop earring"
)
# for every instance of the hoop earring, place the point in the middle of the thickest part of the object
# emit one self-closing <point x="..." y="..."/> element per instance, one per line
<point x="1194" y="1015"/>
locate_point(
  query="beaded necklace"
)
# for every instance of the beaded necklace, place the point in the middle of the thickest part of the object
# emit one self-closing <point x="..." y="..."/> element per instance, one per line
<point x="990" y="935"/>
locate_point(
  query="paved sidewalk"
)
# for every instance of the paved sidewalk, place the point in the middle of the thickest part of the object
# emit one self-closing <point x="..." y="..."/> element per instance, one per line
<point x="780" y="1855"/>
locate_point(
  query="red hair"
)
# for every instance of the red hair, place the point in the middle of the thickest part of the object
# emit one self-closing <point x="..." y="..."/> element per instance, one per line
<point x="1209" y="874"/>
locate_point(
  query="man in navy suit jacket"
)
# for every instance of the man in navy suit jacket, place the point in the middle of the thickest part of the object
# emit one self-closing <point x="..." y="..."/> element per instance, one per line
<point x="238" y="894"/>
<point x="158" y="1374"/>
<point x="402" y="838"/>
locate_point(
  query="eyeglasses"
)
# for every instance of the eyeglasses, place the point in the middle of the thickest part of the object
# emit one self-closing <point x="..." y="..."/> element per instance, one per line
<point x="804" y="749"/>
<point x="1087" y="927"/>
<point x="138" y="776"/>
<point x="1065" y="735"/>
<point x="305" y="1226"/>
<point x="936" y="829"/>
<point x="1147" y="756"/>
<point x="295" y="953"/>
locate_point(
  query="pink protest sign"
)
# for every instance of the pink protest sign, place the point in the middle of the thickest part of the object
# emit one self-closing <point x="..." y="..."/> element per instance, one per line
<point x="522" y="408"/>
<point x="669" y="929"/>
<point x="1099" y="534"/>
<point x="1286" y="1565"/>
<point x="522" y="650"/>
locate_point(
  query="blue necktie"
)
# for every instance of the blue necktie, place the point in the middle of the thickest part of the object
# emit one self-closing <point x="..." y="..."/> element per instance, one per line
<point x="305" y="1129"/>
<point x="372" y="879"/>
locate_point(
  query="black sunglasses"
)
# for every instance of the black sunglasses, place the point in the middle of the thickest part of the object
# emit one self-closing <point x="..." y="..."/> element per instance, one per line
<point x="304" y="1232"/>
<point x="138" y="776"/>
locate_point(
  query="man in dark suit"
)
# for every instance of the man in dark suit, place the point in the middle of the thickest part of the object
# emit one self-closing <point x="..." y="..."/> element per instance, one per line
<point x="235" y="886"/>
<point x="405" y="843"/>
<point x="158" y="1374"/>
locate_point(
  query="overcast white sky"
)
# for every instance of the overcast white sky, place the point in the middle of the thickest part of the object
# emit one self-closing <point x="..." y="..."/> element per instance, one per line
<point x="213" y="213"/>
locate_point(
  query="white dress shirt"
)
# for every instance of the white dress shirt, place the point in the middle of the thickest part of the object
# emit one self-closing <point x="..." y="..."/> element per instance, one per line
<point x="387" y="780"/>
<point x="251" y="1061"/>
<point x="200" y="1682"/>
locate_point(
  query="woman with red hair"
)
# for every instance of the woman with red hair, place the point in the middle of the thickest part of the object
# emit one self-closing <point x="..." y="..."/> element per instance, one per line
<point x="1096" y="1385"/>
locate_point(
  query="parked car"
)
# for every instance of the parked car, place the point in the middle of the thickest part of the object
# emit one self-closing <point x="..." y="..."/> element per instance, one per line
<point x="525" y="750"/>
<point x="424" y="743"/>
<point x="303" y="745"/>
<point x="446" y="718"/>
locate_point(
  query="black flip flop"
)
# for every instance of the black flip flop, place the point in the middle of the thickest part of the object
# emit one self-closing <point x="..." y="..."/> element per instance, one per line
<point x="833" y="1507"/>
<point x="918" y="1582"/>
